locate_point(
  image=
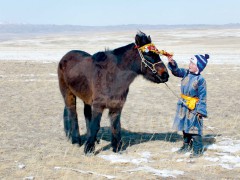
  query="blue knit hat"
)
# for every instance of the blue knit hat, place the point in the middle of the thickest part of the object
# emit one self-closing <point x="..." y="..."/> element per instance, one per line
<point x="202" y="61"/>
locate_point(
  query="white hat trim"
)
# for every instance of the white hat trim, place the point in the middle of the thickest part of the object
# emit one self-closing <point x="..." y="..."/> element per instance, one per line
<point x="202" y="59"/>
<point x="194" y="60"/>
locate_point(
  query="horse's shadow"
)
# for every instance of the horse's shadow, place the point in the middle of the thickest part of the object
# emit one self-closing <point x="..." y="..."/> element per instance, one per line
<point x="130" y="138"/>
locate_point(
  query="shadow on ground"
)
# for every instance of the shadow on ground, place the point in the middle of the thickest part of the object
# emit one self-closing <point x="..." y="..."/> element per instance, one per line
<point x="130" y="138"/>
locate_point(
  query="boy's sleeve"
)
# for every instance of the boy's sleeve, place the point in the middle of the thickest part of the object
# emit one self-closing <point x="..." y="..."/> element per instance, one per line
<point x="178" y="72"/>
<point x="201" y="106"/>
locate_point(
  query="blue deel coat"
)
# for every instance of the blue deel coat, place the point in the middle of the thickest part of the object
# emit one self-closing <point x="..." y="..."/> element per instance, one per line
<point x="193" y="85"/>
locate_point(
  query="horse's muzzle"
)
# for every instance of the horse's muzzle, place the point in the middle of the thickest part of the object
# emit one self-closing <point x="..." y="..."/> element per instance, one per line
<point x="163" y="78"/>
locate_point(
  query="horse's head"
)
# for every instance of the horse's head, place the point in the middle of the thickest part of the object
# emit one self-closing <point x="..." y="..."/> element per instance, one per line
<point x="152" y="67"/>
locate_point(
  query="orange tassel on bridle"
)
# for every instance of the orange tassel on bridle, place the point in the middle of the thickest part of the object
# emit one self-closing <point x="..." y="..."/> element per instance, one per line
<point x="152" y="47"/>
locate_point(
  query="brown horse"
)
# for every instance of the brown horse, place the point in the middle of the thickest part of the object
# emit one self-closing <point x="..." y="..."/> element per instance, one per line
<point x="102" y="81"/>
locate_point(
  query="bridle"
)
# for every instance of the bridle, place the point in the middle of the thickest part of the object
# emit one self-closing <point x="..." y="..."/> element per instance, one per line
<point x="148" y="64"/>
<point x="146" y="48"/>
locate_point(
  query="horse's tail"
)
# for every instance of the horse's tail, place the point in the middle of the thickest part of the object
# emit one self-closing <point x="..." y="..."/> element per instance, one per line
<point x="62" y="65"/>
<point x="61" y="79"/>
<point x="63" y="62"/>
<point x="68" y="75"/>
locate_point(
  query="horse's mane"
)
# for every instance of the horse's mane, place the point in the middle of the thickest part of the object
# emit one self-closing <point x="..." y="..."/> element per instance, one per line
<point x="99" y="56"/>
<point x="141" y="39"/>
<point x="123" y="49"/>
<point x="102" y="55"/>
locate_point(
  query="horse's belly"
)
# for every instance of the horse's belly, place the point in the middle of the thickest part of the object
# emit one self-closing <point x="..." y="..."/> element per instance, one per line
<point x="106" y="101"/>
<point x="115" y="103"/>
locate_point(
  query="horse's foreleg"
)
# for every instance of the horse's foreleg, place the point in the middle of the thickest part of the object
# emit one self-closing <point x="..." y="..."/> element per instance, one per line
<point x="70" y="119"/>
<point x="94" y="126"/>
<point x="115" y="115"/>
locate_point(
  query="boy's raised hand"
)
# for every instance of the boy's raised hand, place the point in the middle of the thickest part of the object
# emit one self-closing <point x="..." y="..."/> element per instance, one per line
<point x="170" y="59"/>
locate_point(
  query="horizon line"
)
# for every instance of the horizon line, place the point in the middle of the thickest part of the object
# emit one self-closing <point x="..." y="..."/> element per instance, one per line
<point x="7" y="23"/>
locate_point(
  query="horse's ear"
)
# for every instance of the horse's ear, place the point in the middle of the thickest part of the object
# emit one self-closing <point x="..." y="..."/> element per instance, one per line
<point x="137" y="40"/>
<point x="149" y="38"/>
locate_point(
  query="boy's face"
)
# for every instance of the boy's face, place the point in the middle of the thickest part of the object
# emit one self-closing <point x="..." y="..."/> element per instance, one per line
<point x="193" y="67"/>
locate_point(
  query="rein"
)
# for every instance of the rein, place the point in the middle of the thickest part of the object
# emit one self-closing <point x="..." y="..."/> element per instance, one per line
<point x="179" y="98"/>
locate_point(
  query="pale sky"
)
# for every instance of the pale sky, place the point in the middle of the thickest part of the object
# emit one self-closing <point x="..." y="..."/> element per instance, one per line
<point x="120" y="12"/>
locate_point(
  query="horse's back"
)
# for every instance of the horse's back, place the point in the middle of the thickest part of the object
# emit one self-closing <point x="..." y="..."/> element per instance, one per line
<point x="73" y="57"/>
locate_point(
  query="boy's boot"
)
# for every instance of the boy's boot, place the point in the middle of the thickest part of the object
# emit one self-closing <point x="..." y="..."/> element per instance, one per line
<point x="187" y="144"/>
<point x="197" y="147"/>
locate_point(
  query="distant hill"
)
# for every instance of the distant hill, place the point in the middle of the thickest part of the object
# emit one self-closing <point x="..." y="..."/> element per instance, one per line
<point x="49" y="29"/>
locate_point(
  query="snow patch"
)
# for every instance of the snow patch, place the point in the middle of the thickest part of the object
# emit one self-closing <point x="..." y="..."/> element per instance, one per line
<point x="52" y="74"/>
<point x="227" y="145"/>
<point x="212" y="159"/>
<point x="226" y="157"/>
<point x="157" y="172"/>
<point x="210" y="127"/>
<point x="174" y="149"/>
<point x="187" y="154"/>
<point x="179" y="160"/>
<point x="85" y="172"/>
<point x="30" y="80"/>
<point x="230" y="159"/>
<point x="124" y="159"/>
<point x="29" y="178"/>
<point x="145" y="154"/>
<point x="120" y="158"/>
<point x="21" y="166"/>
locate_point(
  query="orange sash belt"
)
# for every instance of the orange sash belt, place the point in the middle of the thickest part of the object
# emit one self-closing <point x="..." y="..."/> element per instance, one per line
<point x="190" y="101"/>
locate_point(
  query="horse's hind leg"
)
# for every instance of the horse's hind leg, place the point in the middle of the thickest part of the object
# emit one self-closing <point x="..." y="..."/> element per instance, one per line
<point x="70" y="118"/>
<point x="88" y="116"/>
<point x="115" y="115"/>
<point x="66" y="121"/>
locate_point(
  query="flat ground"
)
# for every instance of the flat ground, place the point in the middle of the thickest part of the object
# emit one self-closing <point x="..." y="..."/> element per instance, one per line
<point x="33" y="144"/>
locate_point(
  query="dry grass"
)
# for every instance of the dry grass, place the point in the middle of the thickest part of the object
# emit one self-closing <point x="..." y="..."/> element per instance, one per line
<point x="31" y="128"/>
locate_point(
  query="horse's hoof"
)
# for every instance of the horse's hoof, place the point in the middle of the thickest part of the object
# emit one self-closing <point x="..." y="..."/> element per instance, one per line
<point x="117" y="148"/>
<point x="67" y="133"/>
<point x="89" y="147"/>
<point x="76" y="140"/>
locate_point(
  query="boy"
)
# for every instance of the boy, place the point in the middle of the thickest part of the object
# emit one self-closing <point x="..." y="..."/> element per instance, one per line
<point x="191" y="108"/>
